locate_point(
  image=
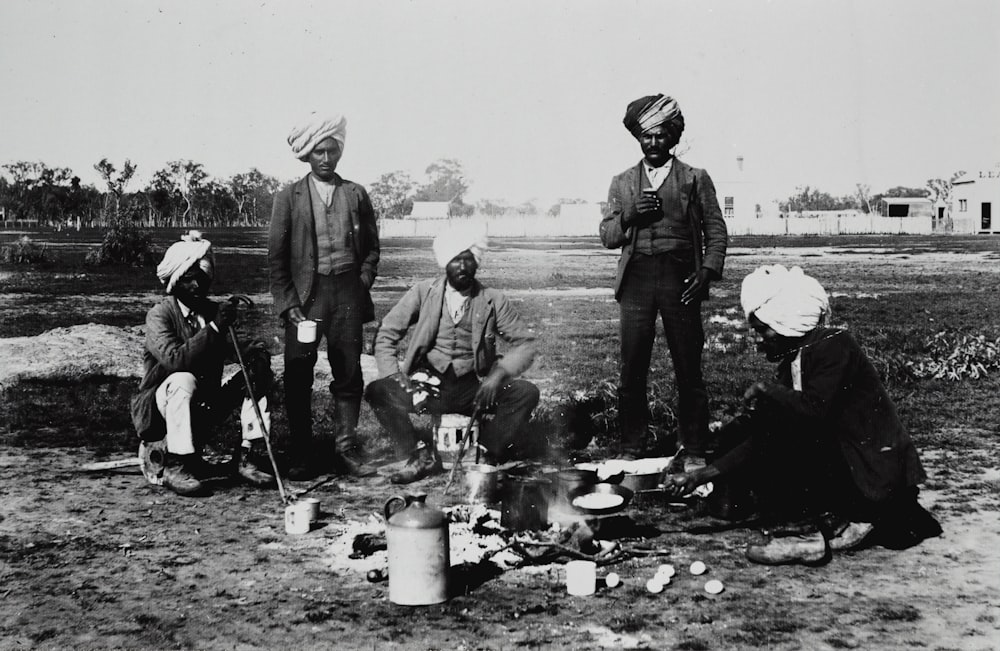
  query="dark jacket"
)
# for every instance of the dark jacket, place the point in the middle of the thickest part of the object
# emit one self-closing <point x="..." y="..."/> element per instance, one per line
<point x="844" y="398"/>
<point x="173" y="346"/>
<point x="291" y="244"/>
<point x="698" y="202"/>
<point x="492" y="316"/>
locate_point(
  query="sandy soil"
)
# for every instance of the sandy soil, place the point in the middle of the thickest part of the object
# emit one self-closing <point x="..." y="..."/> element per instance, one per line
<point x="102" y="560"/>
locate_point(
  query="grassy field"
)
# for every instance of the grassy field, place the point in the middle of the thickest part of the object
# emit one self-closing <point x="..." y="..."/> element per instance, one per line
<point x="125" y="565"/>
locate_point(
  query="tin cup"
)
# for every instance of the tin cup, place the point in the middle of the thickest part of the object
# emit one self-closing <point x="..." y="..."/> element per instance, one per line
<point x="306" y="331"/>
<point x="313" y="507"/>
<point x="481" y="482"/>
<point x="297" y="518"/>
<point x="581" y="578"/>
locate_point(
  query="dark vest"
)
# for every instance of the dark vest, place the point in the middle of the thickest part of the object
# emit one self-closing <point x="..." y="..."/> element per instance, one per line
<point x="454" y="343"/>
<point x="334" y="249"/>
<point x="673" y="232"/>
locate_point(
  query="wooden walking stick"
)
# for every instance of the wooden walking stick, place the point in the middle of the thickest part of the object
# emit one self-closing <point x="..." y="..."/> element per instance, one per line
<point x="285" y="499"/>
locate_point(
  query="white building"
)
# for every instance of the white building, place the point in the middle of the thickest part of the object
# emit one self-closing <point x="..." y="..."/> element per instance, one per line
<point x="738" y="191"/>
<point x="973" y="196"/>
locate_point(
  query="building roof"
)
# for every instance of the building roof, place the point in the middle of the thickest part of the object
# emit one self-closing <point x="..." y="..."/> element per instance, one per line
<point x="907" y="200"/>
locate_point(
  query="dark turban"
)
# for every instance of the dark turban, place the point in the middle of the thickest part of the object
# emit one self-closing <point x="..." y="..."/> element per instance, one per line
<point x="652" y="111"/>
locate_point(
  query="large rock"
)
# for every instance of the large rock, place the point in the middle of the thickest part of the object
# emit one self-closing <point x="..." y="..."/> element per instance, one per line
<point x="84" y="352"/>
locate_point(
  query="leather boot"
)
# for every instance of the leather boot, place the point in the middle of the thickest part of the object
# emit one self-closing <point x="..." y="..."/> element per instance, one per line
<point x="254" y="464"/>
<point x="348" y="459"/>
<point x="424" y="462"/>
<point x="177" y="476"/>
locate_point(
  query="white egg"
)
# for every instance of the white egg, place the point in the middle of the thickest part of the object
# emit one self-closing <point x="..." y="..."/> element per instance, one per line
<point x="654" y="586"/>
<point x="698" y="568"/>
<point x="612" y="580"/>
<point x="714" y="586"/>
<point x="666" y="570"/>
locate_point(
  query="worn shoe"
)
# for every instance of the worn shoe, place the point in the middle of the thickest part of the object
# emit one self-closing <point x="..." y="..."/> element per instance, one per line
<point x="303" y="470"/>
<point x="851" y="536"/>
<point x="807" y="549"/>
<point x="423" y="463"/>
<point x="178" y="477"/>
<point x="254" y="465"/>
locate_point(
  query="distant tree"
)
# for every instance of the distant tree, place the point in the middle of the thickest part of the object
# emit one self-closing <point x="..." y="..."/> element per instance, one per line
<point x="252" y="191"/>
<point x="556" y="209"/>
<point x="446" y="181"/>
<point x="807" y="199"/>
<point x="116" y="182"/>
<point x="181" y="178"/>
<point x="37" y="191"/>
<point x="392" y="195"/>
<point x="863" y="194"/>
<point x="492" y="207"/>
<point x="940" y="190"/>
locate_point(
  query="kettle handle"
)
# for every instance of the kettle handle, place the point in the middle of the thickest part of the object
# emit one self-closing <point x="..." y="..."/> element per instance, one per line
<point x="389" y="511"/>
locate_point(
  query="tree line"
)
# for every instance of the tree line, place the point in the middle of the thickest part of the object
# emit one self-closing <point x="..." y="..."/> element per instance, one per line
<point x="807" y="198"/>
<point x="182" y="193"/>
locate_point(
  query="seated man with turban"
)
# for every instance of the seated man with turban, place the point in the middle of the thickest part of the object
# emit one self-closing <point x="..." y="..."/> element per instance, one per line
<point x="821" y="443"/>
<point x="181" y="393"/>
<point x="323" y="253"/>
<point x="454" y="323"/>
<point x="664" y="216"/>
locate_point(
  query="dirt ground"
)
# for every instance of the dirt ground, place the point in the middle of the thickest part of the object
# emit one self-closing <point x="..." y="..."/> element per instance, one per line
<point x="101" y="560"/>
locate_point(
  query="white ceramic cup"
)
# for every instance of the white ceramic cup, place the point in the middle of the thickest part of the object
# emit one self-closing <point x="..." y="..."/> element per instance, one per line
<point x="581" y="578"/>
<point x="306" y="331"/>
<point x="297" y="518"/>
<point x="313" y="507"/>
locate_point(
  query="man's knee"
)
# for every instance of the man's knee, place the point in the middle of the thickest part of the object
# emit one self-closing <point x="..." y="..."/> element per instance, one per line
<point x="177" y="388"/>
<point x="380" y="392"/>
<point x="522" y="394"/>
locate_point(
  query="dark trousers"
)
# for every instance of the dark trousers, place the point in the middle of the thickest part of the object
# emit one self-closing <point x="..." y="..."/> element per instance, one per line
<point x="503" y="435"/>
<point x="337" y="304"/>
<point x="652" y="287"/>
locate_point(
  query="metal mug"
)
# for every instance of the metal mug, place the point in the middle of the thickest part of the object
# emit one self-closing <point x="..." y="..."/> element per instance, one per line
<point x="481" y="482"/>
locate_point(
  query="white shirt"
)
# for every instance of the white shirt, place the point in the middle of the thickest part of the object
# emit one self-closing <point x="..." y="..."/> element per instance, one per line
<point x="657" y="175"/>
<point x="456" y="302"/>
<point x="185" y="311"/>
<point x="324" y="189"/>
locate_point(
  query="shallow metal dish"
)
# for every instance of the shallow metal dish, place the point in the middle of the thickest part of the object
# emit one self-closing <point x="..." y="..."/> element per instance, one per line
<point x="604" y="489"/>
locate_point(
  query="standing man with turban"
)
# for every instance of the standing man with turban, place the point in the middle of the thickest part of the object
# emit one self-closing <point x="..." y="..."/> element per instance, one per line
<point x="820" y="442"/>
<point x="323" y="253"/>
<point x="454" y="323"/>
<point x="665" y="217"/>
<point x="181" y="390"/>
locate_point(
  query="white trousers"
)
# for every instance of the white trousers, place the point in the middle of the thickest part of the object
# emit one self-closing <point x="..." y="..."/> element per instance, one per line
<point x="173" y="399"/>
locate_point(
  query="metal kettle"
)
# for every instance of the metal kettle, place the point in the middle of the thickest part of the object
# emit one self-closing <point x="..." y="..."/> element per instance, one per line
<point x="419" y="557"/>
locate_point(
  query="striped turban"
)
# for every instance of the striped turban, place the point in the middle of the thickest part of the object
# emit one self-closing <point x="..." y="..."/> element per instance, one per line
<point x="183" y="255"/>
<point x="651" y="111"/>
<point x="788" y="300"/>
<point x="314" y="129"/>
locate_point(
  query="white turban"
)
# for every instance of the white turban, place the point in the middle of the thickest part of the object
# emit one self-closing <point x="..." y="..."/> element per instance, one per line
<point x="314" y="129"/>
<point x="468" y="236"/>
<point x="788" y="300"/>
<point x="182" y="255"/>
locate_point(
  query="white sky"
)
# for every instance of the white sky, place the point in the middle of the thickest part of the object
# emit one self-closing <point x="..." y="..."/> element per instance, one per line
<point x="528" y="95"/>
